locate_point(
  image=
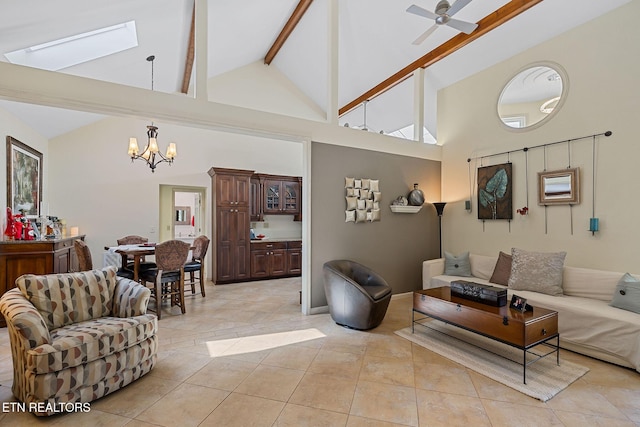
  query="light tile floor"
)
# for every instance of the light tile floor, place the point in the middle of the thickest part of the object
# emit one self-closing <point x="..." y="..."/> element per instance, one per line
<point x="246" y="356"/>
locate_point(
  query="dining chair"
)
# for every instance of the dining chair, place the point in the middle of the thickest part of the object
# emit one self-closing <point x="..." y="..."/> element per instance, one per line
<point x="196" y="265"/>
<point x="168" y="276"/>
<point x="134" y="240"/>
<point x="84" y="255"/>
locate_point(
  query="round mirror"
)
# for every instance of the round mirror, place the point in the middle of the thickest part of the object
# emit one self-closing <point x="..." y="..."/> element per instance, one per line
<point x="534" y="95"/>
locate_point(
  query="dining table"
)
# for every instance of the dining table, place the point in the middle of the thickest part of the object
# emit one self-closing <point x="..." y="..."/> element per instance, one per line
<point x="126" y="252"/>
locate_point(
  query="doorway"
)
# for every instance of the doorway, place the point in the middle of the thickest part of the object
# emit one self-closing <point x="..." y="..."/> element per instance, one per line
<point x="182" y="215"/>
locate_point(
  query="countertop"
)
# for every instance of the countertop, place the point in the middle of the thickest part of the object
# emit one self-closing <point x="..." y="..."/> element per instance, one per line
<point x="52" y="240"/>
<point x="277" y="239"/>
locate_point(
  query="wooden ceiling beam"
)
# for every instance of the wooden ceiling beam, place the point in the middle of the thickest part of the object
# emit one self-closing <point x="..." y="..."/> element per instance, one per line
<point x="288" y="28"/>
<point x="486" y="24"/>
<point x="188" y="66"/>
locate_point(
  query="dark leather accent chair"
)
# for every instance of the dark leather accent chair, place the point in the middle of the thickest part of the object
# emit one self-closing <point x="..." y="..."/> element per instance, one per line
<point x="357" y="296"/>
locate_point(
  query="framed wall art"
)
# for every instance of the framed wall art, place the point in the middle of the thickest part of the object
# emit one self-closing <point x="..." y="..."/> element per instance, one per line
<point x="24" y="178"/>
<point x="561" y="187"/>
<point x="494" y="192"/>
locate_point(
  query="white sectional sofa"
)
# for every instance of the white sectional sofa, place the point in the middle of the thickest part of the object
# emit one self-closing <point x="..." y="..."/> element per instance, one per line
<point x="586" y="322"/>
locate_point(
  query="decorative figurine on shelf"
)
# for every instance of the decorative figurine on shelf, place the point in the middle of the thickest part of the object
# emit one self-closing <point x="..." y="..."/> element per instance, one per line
<point x="29" y="232"/>
<point x="17" y="227"/>
<point x="10" y="231"/>
<point x="400" y="201"/>
<point x="416" y="196"/>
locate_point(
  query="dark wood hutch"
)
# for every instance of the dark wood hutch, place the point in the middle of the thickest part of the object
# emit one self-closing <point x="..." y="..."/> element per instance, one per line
<point x="242" y="196"/>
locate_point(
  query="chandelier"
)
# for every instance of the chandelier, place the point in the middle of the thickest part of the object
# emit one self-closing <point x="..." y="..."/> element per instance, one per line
<point x="151" y="154"/>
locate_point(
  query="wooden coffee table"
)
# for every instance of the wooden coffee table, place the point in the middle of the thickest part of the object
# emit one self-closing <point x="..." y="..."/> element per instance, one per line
<point x="512" y="327"/>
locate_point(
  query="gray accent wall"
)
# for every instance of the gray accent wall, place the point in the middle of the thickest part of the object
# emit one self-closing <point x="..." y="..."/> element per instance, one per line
<point x="396" y="245"/>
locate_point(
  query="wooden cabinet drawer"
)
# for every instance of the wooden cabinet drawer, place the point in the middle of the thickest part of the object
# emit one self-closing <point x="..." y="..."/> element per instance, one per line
<point x="268" y="246"/>
<point x="541" y="329"/>
<point x="62" y="244"/>
<point x="294" y="244"/>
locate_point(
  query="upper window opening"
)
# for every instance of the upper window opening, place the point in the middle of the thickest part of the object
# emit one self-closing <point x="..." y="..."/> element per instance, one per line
<point x="407" y="133"/>
<point x="78" y="48"/>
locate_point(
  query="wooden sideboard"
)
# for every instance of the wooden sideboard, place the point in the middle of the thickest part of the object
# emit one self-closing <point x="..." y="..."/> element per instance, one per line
<point x="20" y="257"/>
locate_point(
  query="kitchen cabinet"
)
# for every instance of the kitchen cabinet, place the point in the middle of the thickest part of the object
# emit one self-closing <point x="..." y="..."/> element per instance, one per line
<point x="279" y="195"/>
<point x="20" y="257"/>
<point x="231" y="221"/>
<point x="268" y="260"/>
<point x="273" y="259"/>
<point x="232" y="244"/>
<point x="231" y="186"/>
<point x="294" y="258"/>
<point x="255" y="202"/>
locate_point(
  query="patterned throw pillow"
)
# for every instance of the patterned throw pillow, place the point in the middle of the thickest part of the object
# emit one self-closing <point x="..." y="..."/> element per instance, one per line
<point x="537" y="271"/>
<point x="457" y="265"/>
<point x="63" y="299"/>
<point x="627" y="294"/>
<point x="502" y="271"/>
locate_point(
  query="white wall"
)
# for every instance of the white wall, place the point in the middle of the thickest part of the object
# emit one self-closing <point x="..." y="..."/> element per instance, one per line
<point x="602" y="64"/>
<point x="94" y="185"/>
<point x="263" y="87"/>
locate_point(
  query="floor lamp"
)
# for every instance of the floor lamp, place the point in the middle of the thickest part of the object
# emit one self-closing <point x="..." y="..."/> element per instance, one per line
<point x="439" y="209"/>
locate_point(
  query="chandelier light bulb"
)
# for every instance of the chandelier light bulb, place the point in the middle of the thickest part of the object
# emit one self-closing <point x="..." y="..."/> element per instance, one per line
<point x="133" y="147"/>
<point x="153" y="145"/>
<point x="172" y="152"/>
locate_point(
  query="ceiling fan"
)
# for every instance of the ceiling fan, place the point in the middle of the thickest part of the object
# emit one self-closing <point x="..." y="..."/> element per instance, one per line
<point x="443" y="16"/>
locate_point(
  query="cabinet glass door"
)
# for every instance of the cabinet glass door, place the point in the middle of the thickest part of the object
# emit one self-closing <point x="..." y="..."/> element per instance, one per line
<point x="272" y="201"/>
<point x="291" y="196"/>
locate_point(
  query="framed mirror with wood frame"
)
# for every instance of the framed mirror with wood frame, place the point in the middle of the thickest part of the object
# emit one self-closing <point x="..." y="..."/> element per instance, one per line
<point x="183" y="215"/>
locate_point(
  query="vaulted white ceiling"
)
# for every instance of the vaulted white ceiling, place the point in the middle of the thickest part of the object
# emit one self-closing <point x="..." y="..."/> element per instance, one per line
<point x="375" y="41"/>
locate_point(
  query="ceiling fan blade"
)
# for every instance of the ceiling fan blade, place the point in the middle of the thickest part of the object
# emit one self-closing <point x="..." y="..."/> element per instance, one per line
<point x="455" y="7"/>
<point x="424" y="35"/>
<point x="417" y="10"/>
<point x="465" y="27"/>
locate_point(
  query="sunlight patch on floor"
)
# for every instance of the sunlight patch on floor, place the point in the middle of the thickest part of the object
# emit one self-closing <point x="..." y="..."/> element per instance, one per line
<point x="255" y="343"/>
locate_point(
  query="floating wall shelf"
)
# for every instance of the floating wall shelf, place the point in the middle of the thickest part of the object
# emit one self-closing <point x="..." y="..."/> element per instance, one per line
<point x="405" y="209"/>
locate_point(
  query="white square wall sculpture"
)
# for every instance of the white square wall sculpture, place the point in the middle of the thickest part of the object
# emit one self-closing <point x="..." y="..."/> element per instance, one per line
<point x="363" y="199"/>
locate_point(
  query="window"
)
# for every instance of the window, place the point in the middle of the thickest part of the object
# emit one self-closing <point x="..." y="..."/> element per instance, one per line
<point x="407" y="133"/>
<point x="76" y="49"/>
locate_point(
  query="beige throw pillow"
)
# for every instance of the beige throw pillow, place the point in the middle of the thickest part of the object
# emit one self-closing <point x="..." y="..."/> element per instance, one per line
<point x="537" y="271"/>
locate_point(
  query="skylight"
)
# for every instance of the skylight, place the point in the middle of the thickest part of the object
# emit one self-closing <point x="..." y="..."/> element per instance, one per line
<point x="76" y="49"/>
<point x="407" y="133"/>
